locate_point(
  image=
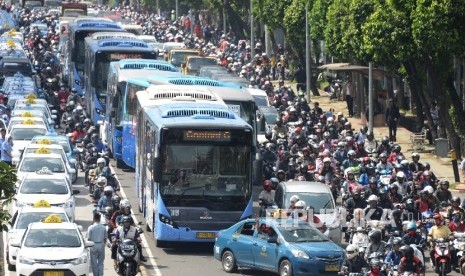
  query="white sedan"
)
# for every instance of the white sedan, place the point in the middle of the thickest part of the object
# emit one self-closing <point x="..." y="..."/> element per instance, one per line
<point x="22" y="135"/>
<point x="54" y="247"/>
<point x="44" y="185"/>
<point x="33" y="162"/>
<point x="20" y="221"/>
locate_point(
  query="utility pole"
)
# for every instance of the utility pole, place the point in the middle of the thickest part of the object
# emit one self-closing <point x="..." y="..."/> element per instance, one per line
<point x="252" y="44"/>
<point x="370" y="97"/>
<point x="307" y="54"/>
<point x="177" y="15"/>
<point x="158" y="8"/>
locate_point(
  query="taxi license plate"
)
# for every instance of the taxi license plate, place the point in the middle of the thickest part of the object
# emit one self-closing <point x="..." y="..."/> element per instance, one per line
<point x="205" y="235"/>
<point x="54" y="273"/>
<point x="332" y="268"/>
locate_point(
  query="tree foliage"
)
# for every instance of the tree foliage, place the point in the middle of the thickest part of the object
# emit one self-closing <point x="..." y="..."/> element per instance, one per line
<point x="7" y="191"/>
<point x="271" y="12"/>
<point x="294" y="22"/>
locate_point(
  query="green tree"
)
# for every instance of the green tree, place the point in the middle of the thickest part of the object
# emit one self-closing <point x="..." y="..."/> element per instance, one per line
<point x="7" y="191"/>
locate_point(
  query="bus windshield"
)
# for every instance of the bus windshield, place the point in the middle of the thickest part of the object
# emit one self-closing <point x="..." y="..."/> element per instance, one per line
<point x="79" y="50"/>
<point x="215" y="176"/>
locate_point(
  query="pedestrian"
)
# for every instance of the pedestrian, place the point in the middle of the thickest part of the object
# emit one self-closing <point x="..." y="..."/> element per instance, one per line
<point x="392" y="117"/>
<point x="98" y="234"/>
<point x="7" y="149"/>
<point x="350" y="98"/>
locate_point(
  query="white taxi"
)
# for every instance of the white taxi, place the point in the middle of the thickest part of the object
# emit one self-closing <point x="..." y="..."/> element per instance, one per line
<point x="52" y="148"/>
<point x="20" y="120"/>
<point x="53" y="248"/>
<point x="20" y="221"/>
<point x="23" y="133"/>
<point x="33" y="162"/>
<point x="50" y="114"/>
<point x="54" y="188"/>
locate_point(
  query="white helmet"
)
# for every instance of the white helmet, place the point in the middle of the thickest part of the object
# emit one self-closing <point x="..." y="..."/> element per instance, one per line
<point x="429" y="189"/>
<point x="124" y="204"/>
<point x="301" y="204"/>
<point x="326" y="159"/>
<point x="101" y="161"/>
<point x="400" y="174"/>
<point x="351" y="251"/>
<point x="372" y="198"/>
<point x="295" y="198"/>
<point x="108" y="189"/>
<point x="101" y="180"/>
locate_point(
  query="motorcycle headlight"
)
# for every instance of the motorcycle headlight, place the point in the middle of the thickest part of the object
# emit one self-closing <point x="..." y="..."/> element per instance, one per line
<point x="81" y="260"/>
<point x="25" y="260"/>
<point x="300" y="254"/>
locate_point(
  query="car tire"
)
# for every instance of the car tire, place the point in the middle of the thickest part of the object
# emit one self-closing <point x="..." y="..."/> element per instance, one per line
<point x="10" y="266"/>
<point x="285" y="268"/>
<point x="228" y="261"/>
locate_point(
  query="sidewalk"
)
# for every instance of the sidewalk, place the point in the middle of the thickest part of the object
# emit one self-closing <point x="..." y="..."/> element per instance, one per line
<point x="442" y="167"/>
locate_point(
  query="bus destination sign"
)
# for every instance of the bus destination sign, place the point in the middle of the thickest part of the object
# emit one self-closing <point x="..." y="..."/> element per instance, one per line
<point x="207" y="135"/>
<point x="120" y="56"/>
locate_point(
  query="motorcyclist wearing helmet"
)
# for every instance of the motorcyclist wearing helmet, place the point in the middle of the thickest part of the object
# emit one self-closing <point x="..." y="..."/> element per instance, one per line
<point x="395" y="153"/>
<point x="78" y="133"/>
<point x="356" y="200"/>
<point x="95" y="140"/>
<point x="357" y="221"/>
<point x="376" y="243"/>
<point x="409" y="262"/>
<point x="404" y="187"/>
<point x="384" y="147"/>
<point x="415" y="166"/>
<point x="395" y="222"/>
<point x="443" y="194"/>
<point x="455" y="207"/>
<point x="106" y="199"/>
<point x="279" y="130"/>
<point x="274" y="183"/>
<point x="353" y="263"/>
<point x="351" y="161"/>
<point x="373" y="211"/>
<point x="101" y="165"/>
<point x="375" y="267"/>
<point x="340" y="154"/>
<point x="327" y="170"/>
<point x="456" y="222"/>
<point x="350" y="184"/>
<point x="384" y="201"/>
<point x="372" y="188"/>
<point x="410" y="212"/>
<point x="67" y="113"/>
<point x="383" y="163"/>
<point x="303" y="173"/>
<point x="73" y="96"/>
<point x="438" y="231"/>
<point x="127" y="231"/>
<point x="98" y="192"/>
<point x="370" y="145"/>
<point x="412" y="237"/>
<point x="394" y="195"/>
<point x="266" y="197"/>
<point x="269" y="153"/>
<point x="394" y="255"/>
<point x="124" y="209"/>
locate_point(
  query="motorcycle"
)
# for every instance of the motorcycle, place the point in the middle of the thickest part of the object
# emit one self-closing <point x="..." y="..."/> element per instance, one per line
<point x="442" y="257"/>
<point x="360" y="239"/>
<point x="127" y="258"/>
<point x="459" y="245"/>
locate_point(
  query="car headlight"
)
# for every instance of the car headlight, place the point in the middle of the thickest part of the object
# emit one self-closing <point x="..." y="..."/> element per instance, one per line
<point x="81" y="260"/>
<point x="25" y="260"/>
<point x="300" y="254"/>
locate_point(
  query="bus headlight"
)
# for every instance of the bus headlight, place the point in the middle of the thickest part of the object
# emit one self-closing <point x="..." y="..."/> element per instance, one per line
<point x="166" y="220"/>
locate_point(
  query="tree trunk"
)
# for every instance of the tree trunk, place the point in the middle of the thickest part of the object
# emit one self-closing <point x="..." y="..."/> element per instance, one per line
<point x="416" y="90"/>
<point x="239" y="27"/>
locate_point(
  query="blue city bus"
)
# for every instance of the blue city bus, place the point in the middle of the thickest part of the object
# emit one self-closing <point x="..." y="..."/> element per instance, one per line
<point x="74" y="59"/>
<point x="194" y="164"/>
<point x="98" y="56"/>
<point x="119" y="73"/>
<point x="242" y="104"/>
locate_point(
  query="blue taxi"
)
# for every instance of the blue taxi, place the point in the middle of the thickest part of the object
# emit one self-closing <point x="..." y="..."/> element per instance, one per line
<point x="286" y="247"/>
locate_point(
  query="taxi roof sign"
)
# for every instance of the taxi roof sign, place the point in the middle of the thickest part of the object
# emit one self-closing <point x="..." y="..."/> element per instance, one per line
<point x="42" y="203"/>
<point x="29" y="122"/>
<point x="27" y="114"/>
<point x="44" y="170"/>
<point x="42" y="151"/>
<point x="44" y="141"/>
<point x="31" y="96"/>
<point x="53" y="219"/>
<point x="30" y="101"/>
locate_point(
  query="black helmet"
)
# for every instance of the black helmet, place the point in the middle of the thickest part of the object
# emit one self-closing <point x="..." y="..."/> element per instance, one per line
<point x="396" y="148"/>
<point x="385" y="140"/>
<point x="397" y="241"/>
<point x="456" y="200"/>
<point x="95" y="135"/>
<point x="396" y="213"/>
<point x="116" y="200"/>
<point x="78" y="125"/>
<point x="407" y="250"/>
<point x="375" y="236"/>
<point x="444" y="182"/>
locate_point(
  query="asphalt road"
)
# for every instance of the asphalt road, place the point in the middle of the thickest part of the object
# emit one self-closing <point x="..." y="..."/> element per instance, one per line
<point x="186" y="259"/>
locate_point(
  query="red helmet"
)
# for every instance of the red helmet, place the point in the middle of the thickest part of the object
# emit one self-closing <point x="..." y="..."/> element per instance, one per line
<point x="438" y="216"/>
<point x="267" y="183"/>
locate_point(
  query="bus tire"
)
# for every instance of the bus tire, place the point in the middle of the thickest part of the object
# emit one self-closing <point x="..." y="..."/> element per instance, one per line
<point x="161" y="244"/>
<point x="119" y="164"/>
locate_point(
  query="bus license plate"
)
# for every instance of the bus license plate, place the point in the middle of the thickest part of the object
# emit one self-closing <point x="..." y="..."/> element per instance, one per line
<point x="205" y="235"/>
<point x="54" y="273"/>
<point x="332" y="268"/>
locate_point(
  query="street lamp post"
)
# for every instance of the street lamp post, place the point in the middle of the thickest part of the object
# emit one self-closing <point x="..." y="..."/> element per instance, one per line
<point x="307" y="55"/>
<point x="252" y="44"/>
<point x="177" y="4"/>
<point x="370" y="97"/>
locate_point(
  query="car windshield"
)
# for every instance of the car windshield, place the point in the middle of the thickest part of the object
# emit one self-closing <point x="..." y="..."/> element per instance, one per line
<point x="271" y="118"/>
<point x="60" y="142"/>
<point x="39" y="107"/>
<point x="52" y="150"/>
<point x="25" y="218"/>
<point x="33" y="164"/>
<point x="301" y="233"/>
<point x="44" y="186"/>
<point x="19" y="122"/>
<point x="55" y="238"/>
<point x="26" y="133"/>
<point x="320" y="202"/>
<point x="261" y="100"/>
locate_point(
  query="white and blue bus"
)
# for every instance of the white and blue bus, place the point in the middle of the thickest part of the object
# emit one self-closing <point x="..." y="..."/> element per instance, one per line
<point x="194" y="163"/>
<point x="99" y="53"/>
<point x="75" y="56"/>
<point x="115" y="114"/>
